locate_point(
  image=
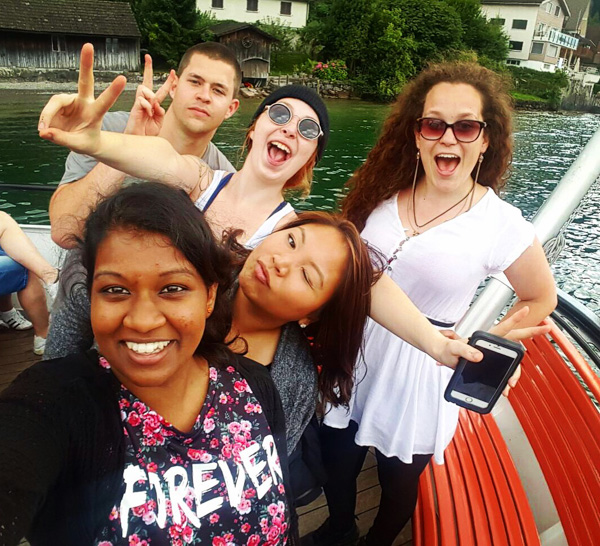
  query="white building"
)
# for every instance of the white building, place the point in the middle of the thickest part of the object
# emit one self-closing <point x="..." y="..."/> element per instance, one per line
<point x="292" y="13"/>
<point x="534" y="30"/>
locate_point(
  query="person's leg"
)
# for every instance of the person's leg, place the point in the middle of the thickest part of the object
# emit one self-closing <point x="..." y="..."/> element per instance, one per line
<point x="33" y="300"/>
<point x="13" y="278"/>
<point x="343" y="460"/>
<point x="5" y="303"/>
<point x="20" y="248"/>
<point x="399" y="485"/>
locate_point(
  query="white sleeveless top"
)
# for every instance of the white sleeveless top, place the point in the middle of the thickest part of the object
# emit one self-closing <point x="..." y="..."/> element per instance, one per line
<point x="398" y="398"/>
<point x="266" y="228"/>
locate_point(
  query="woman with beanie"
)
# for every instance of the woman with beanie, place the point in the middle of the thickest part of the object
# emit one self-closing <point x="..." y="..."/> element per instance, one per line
<point x="286" y="139"/>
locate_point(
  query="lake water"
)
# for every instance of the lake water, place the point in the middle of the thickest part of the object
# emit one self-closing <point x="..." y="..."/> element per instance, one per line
<point x="546" y="144"/>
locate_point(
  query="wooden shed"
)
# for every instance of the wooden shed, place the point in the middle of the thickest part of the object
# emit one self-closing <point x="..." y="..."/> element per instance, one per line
<point x="252" y="48"/>
<point x="50" y="33"/>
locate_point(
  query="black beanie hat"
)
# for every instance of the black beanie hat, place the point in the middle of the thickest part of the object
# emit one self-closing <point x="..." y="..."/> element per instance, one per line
<point x="307" y="95"/>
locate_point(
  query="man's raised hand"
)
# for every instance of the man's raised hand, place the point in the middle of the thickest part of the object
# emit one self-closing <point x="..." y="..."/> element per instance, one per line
<point x="75" y="120"/>
<point x="147" y="114"/>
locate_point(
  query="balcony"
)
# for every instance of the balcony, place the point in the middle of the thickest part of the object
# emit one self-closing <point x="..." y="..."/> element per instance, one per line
<point x="556" y="37"/>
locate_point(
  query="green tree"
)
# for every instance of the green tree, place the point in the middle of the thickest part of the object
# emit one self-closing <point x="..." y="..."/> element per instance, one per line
<point x="479" y="34"/>
<point x="311" y="35"/>
<point x="434" y="25"/>
<point x="387" y="60"/>
<point x="345" y="34"/>
<point x="385" y="42"/>
<point x="169" y="27"/>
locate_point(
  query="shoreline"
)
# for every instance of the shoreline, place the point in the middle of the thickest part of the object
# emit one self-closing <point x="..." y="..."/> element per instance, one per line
<point x="51" y="87"/>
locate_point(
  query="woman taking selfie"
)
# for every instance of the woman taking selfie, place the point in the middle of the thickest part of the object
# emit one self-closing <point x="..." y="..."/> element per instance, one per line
<point x="287" y="137"/>
<point x="426" y="197"/>
<point x="163" y="435"/>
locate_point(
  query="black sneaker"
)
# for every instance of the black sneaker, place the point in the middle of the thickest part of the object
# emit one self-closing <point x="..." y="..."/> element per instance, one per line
<point x="324" y="536"/>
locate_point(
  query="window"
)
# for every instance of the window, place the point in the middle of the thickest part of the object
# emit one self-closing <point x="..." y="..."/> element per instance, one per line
<point x="514" y="62"/>
<point x="251" y="5"/>
<point x="498" y="21"/>
<point x="520" y="24"/>
<point x="218" y="4"/>
<point x="537" y="48"/>
<point x="546" y="66"/>
<point x="557" y="11"/>
<point x="515" y="46"/>
<point x="112" y="45"/>
<point x="286" y="8"/>
<point x="552" y="51"/>
<point x="58" y="42"/>
<point x="549" y="7"/>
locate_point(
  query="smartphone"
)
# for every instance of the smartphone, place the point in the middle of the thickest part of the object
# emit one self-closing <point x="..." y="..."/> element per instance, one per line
<point x="478" y="385"/>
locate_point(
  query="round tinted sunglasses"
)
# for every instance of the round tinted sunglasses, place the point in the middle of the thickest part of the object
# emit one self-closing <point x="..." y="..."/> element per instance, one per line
<point x="465" y="130"/>
<point x="282" y="115"/>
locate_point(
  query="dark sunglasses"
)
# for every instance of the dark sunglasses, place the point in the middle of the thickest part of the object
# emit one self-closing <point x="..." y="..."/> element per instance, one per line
<point x="465" y="130"/>
<point x="281" y="115"/>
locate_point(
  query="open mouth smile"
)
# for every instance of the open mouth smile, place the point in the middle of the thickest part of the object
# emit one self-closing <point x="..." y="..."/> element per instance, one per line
<point x="278" y="153"/>
<point x="150" y="348"/>
<point x="447" y="163"/>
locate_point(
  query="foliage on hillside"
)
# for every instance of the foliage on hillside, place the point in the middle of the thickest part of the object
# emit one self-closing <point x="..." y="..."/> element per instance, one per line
<point x="169" y="27"/>
<point x="545" y="85"/>
<point x="385" y="42"/>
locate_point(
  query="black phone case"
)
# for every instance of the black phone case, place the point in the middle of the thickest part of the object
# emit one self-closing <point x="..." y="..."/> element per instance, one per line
<point x="486" y="336"/>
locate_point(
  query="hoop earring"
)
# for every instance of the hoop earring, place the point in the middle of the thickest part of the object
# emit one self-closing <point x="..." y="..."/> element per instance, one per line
<point x="479" y="162"/>
<point x="416" y="172"/>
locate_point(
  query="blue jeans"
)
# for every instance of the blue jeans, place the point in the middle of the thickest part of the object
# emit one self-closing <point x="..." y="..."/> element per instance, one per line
<point x="13" y="276"/>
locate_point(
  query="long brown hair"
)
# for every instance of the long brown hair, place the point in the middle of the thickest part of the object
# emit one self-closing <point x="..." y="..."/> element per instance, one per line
<point x="390" y="165"/>
<point x="339" y="331"/>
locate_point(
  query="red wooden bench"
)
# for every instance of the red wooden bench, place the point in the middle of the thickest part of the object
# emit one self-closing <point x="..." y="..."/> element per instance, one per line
<point x="477" y="498"/>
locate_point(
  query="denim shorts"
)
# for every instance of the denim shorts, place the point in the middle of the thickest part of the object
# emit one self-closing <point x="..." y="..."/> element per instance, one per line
<point x="13" y="276"/>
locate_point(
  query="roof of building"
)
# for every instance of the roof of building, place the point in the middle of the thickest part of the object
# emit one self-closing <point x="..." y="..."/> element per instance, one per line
<point x="87" y="17"/>
<point x="229" y="27"/>
<point x="564" y="5"/>
<point x="578" y="10"/>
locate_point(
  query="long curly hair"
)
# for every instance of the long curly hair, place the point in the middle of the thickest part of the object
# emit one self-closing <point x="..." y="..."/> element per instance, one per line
<point x="390" y="165"/>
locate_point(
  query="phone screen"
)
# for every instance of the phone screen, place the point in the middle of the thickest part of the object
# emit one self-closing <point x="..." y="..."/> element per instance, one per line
<point x="479" y="380"/>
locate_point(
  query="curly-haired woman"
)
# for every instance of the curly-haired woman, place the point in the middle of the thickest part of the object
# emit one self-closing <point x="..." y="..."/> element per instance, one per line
<point x="427" y="198"/>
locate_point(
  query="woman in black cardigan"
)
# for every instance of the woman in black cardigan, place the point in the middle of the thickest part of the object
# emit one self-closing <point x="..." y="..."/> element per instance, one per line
<point x="167" y="436"/>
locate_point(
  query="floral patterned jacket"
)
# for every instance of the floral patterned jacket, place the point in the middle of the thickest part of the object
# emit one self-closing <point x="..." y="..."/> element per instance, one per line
<point x="62" y="449"/>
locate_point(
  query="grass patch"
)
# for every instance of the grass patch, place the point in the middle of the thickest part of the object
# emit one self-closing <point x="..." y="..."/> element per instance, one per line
<point x="285" y="61"/>
<point x="529" y="98"/>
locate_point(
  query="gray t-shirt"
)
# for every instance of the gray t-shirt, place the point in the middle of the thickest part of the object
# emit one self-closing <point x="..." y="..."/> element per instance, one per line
<point x="70" y="328"/>
<point x="78" y="165"/>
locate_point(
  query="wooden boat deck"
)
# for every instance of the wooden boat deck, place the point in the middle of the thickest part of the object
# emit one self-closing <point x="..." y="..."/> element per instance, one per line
<point x="16" y="355"/>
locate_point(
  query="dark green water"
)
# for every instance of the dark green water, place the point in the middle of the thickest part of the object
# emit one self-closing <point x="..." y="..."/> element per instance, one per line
<point x="546" y="144"/>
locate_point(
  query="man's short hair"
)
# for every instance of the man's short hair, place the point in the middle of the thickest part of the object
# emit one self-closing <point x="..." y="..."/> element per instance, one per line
<point x="216" y="52"/>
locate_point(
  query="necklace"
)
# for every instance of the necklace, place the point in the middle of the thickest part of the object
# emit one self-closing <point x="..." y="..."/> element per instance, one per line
<point x="414" y="212"/>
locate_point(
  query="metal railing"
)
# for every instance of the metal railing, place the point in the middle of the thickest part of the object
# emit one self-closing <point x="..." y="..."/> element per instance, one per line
<point x="580" y="324"/>
<point x="548" y="222"/>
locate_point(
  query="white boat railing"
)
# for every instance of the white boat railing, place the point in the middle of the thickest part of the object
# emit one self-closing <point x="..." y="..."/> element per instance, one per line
<point x="548" y="222"/>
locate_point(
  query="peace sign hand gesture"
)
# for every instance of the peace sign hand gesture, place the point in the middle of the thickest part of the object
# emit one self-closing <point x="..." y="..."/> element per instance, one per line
<point x="147" y="114"/>
<point x="75" y="120"/>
